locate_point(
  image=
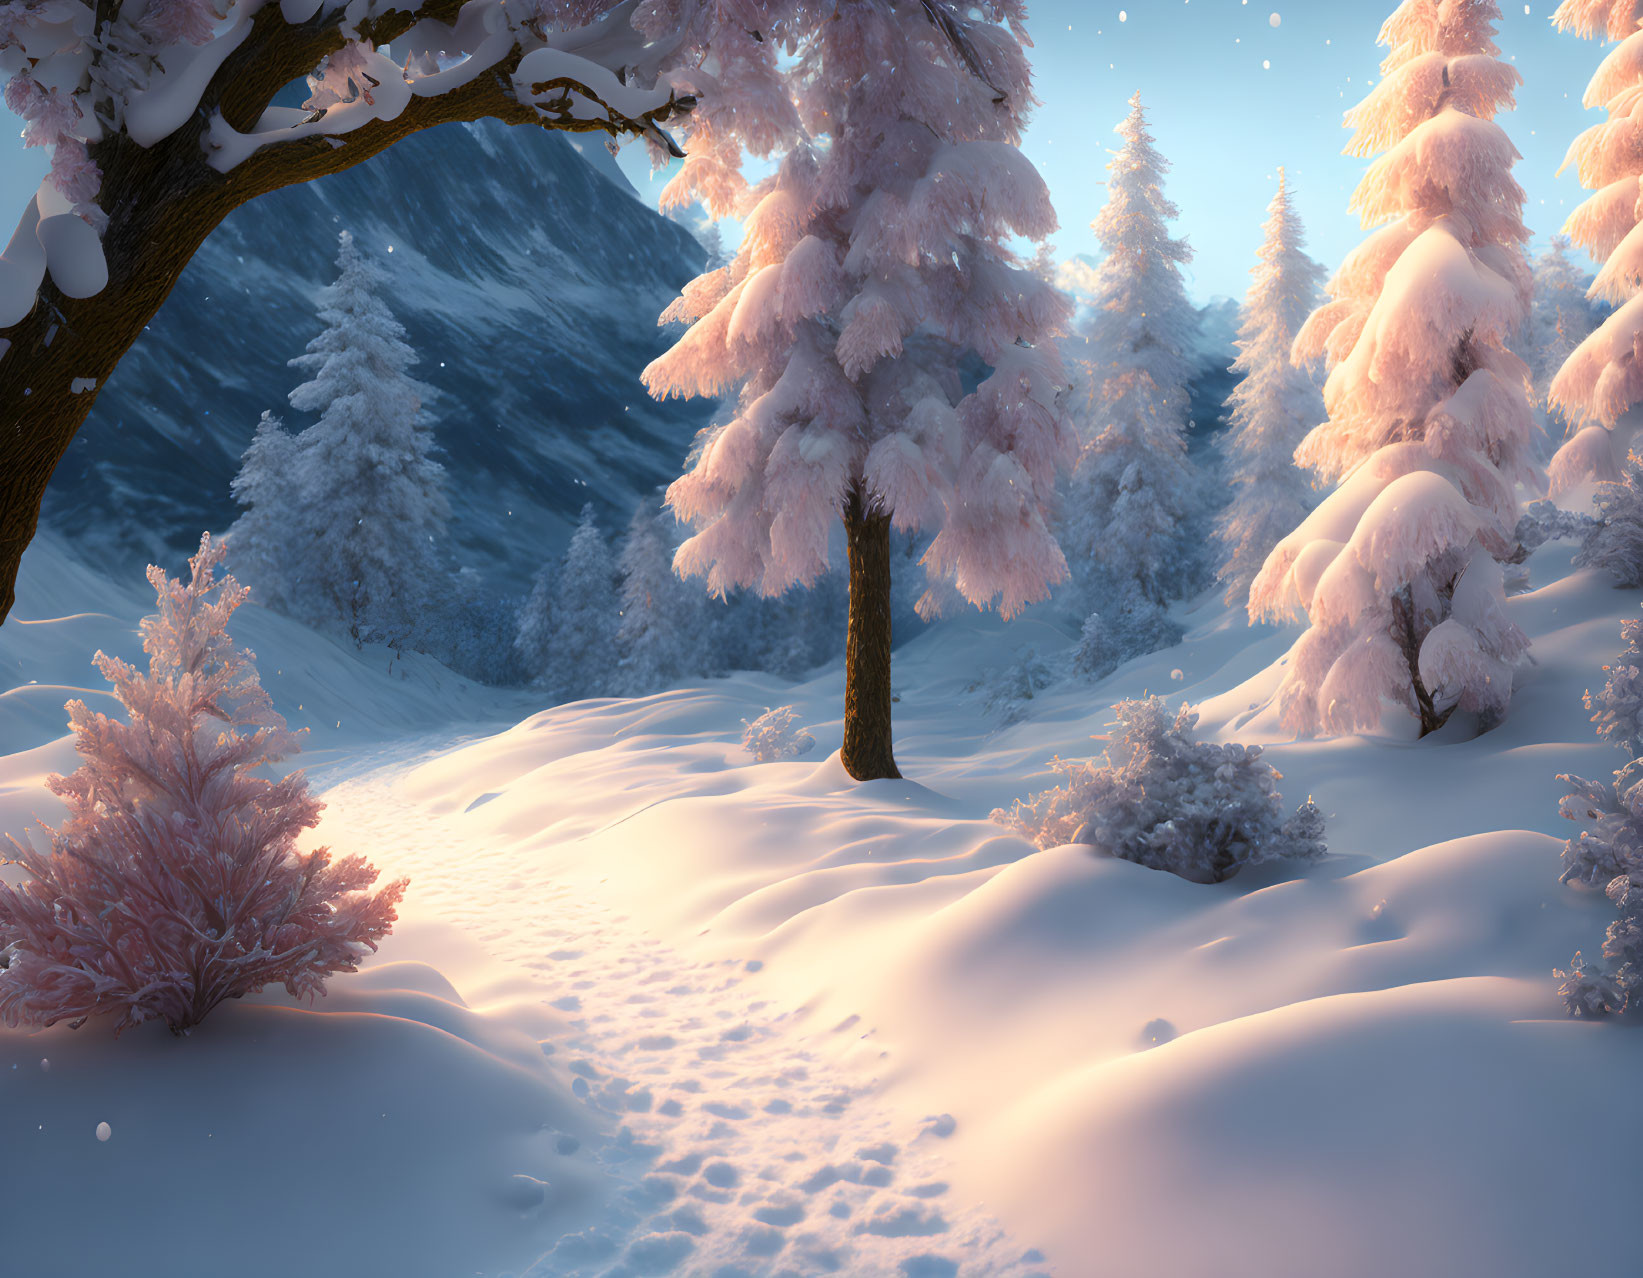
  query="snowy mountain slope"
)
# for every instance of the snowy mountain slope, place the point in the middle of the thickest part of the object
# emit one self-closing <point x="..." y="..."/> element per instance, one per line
<point x="528" y="277"/>
<point x="1354" y="1068"/>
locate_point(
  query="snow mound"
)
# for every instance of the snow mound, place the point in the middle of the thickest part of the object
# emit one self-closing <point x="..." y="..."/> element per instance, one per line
<point x="389" y="1072"/>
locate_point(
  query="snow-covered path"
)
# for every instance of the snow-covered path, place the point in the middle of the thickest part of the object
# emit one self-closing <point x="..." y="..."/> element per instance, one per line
<point x="737" y="1152"/>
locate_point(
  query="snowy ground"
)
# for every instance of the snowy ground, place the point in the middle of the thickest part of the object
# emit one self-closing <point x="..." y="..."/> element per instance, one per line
<point x="720" y="1018"/>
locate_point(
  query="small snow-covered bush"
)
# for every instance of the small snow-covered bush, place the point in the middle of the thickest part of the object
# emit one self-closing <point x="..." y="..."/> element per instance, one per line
<point x="775" y="735"/>
<point x="1093" y="656"/>
<point x="175" y="882"/>
<point x="1131" y="625"/>
<point x="1607" y="854"/>
<point x="1618" y="709"/>
<point x="1009" y="691"/>
<point x="1615" y="544"/>
<point x="1612" y="814"/>
<point x="1543" y="521"/>
<point x="1166" y="801"/>
<point x="1592" y="992"/>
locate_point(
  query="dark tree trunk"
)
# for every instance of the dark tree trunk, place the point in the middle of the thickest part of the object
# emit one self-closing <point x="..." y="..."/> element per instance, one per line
<point x="162" y="201"/>
<point x="1405" y="632"/>
<point x="867" y="754"/>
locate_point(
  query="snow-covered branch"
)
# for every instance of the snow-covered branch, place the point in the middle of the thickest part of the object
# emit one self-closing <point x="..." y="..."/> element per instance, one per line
<point x="91" y="86"/>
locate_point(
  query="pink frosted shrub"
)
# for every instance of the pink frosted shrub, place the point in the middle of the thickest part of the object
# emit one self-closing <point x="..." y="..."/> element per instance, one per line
<point x="175" y="882"/>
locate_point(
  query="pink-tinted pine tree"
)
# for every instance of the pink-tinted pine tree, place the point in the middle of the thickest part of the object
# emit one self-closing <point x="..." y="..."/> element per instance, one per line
<point x="175" y="882"/>
<point x="1600" y="385"/>
<point x="874" y="261"/>
<point x="1429" y="425"/>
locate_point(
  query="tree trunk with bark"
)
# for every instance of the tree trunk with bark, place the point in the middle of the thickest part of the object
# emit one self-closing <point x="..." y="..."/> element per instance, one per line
<point x="1409" y="639"/>
<point x="867" y="754"/>
<point x="163" y="200"/>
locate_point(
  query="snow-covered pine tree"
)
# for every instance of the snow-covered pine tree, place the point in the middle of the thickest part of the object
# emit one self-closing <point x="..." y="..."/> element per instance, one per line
<point x="261" y="540"/>
<point x="533" y="628"/>
<point x="1615" y="542"/>
<point x="1560" y="319"/>
<point x="368" y="501"/>
<point x="581" y="651"/>
<point x="471" y="628"/>
<point x="652" y="638"/>
<point x="711" y="238"/>
<point x="1607" y="855"/>
<point x="1274" y="405"/>
<point x="1132" y="487"/>
<point x="875" y="263"/>
<point x="1618" y="709"/>
<point x="1600" y="385"/>
<point x="1429" y="416"/>
<point x="1128" y="624"/>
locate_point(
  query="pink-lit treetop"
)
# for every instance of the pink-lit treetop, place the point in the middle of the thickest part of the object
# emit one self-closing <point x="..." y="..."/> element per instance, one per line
<point x="175" y="882"/>
<point x="1601" y="381"/>
<point x="874" y="259"/>
<point x="1429" y="420"/>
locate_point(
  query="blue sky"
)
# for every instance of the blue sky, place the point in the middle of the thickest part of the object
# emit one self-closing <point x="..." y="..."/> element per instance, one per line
<point x="1226" y="120"/>
<point x="1231" y="97"/>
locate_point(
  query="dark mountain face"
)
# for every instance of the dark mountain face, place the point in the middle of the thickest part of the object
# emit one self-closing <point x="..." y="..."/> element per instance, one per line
<point x="1214" y="379"/>
<point x="528" y="279"/>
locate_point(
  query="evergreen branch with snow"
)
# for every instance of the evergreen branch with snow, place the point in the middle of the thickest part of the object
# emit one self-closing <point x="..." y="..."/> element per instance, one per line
<point x="1607" y="856"/>
<point x="1598" y="381"/>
